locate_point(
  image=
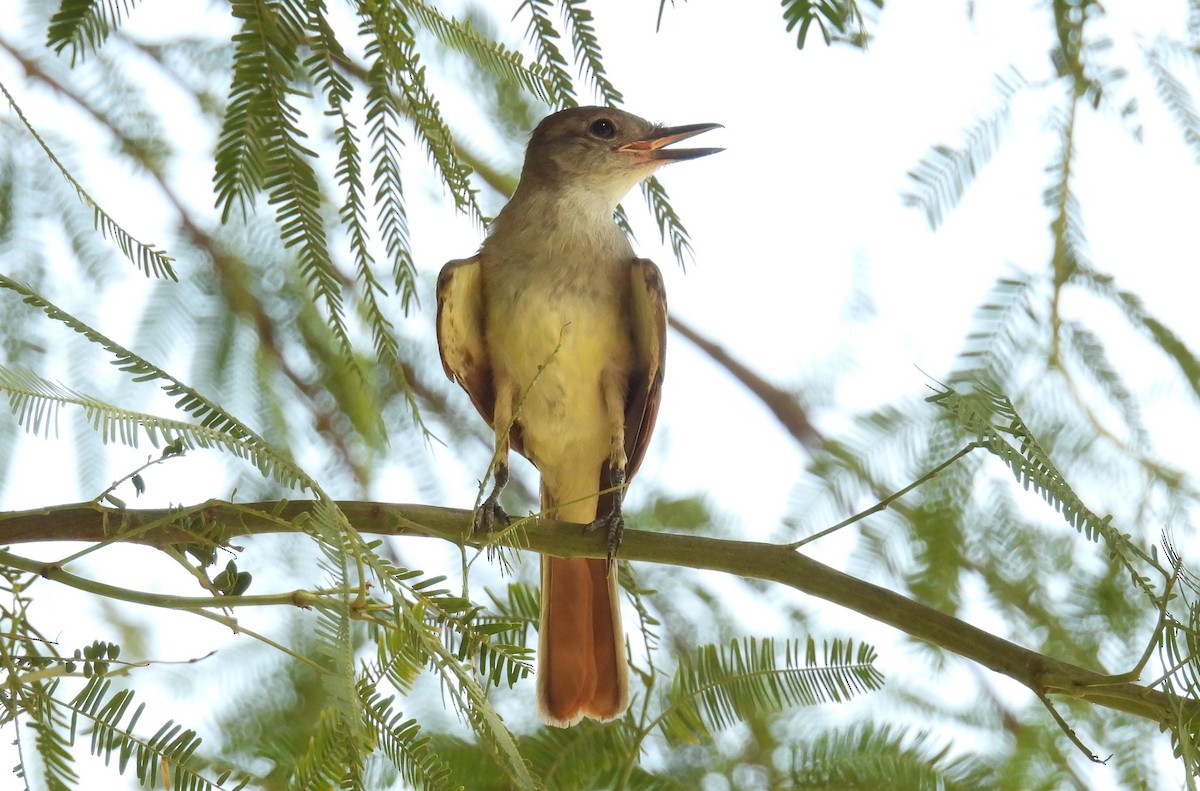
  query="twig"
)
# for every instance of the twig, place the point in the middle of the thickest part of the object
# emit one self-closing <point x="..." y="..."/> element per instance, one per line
<point x="1070" y="732"/>
<point x="891" y="498"/>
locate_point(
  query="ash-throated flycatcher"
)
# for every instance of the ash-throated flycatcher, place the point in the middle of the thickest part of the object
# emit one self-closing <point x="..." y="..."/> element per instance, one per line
<point x="557" y="332"/>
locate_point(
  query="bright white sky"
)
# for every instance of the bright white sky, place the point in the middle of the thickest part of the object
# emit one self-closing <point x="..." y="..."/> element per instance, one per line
<point x="803" y="205"/>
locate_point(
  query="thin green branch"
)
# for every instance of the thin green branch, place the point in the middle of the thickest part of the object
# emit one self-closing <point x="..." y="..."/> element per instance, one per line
<point x="887" y="501"/>
<point x="1069" y="731"/>
<point x="198" y="605"/>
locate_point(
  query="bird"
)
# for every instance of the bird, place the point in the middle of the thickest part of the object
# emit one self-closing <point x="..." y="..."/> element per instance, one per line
<point x="556" y="330"/>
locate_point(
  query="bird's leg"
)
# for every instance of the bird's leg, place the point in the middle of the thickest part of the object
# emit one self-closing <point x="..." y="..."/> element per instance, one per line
<point x="489" y="511"/>
<point x="613" y="523"/>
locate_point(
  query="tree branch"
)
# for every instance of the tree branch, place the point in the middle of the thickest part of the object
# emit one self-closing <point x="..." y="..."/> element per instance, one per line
<point x="773" y="562"/>
<point x="783" y="405"/>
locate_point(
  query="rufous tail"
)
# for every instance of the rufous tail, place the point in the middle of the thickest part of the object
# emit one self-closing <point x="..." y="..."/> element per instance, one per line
<point x="582" y="671"/>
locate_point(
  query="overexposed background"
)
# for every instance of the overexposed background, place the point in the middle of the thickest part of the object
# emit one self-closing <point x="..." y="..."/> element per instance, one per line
<point x="806" y="258"/>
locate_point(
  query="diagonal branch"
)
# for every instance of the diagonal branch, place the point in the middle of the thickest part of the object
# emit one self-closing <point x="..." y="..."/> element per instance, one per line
<point x="783" y="405"/>
<point x="772" y="562"/>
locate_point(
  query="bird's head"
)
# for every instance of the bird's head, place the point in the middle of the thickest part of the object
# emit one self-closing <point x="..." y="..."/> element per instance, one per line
<point x="604" y="150"/>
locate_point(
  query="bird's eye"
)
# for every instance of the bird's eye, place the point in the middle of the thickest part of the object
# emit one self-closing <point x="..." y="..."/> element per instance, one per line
<point x="603" y="128"/>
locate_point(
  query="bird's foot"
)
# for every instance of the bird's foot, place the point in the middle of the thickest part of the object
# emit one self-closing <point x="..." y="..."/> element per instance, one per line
<point x="488" y="518"/>
<point x="489" y="511"/>
<point x="489" y="515"/>
<point x="613" y="526"/>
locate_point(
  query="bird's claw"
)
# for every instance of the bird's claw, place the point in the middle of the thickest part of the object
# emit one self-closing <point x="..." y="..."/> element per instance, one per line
<point x="489" y="511"/>
<point x="613" y="526"/>
<point x="488" y="514"/>
<point x="488" y="517"/>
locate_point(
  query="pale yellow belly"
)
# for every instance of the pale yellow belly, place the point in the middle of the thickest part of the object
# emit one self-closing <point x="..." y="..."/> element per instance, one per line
<point x="558" y="358"/>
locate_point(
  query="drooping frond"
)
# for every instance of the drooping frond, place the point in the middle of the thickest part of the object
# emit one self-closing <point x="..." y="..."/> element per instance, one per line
<point x="1003" y="328"/>
<point x="945" y="173"/>
<point x="85" y="24"/>
<point x="670" y="226"/>
<point x="578" y="18"/>
<point x="1134" y="309"/>
<point x="47" y="720"/>
<point x="384" y="116"/>
<point x="839" y="20"/>
<point x="403" y="743"/>
<point x="166" y="757"/>
<point x="721" y="685"/>
<point x="151" y="261"/>
<point x="542" y="33"/>
<point x="264" y="61"/>
<point x="260" y="147"/>
<point x="414" y="636"/>
<point x="395" y="64"/>
<point x="389" y="51"/>
<point x="867" y="756"/>
<point x="1172" y="91"/>
<point x="490" y="54"/>
<point x="325" y="67"/>
<point x="1086" y="349"/>
<point x="216" y="426"/>
<point x="587" y="755"/>
<point x="36" y="403"/>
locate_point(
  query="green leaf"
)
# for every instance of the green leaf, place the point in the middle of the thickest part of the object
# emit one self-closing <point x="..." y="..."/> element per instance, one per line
<point x="85" y="23"/>
<point x="718" y="686"/>
<point x="839" y="20"/>
<point x="944" y="174"/>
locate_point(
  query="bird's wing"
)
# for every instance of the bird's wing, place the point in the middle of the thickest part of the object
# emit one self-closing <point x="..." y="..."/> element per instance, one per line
<point x="649" y="320"/>
<point x="460" y="332"/>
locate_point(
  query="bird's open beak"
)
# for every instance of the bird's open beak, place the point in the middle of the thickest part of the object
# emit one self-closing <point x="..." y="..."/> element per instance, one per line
<point x="652" y="147"/>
